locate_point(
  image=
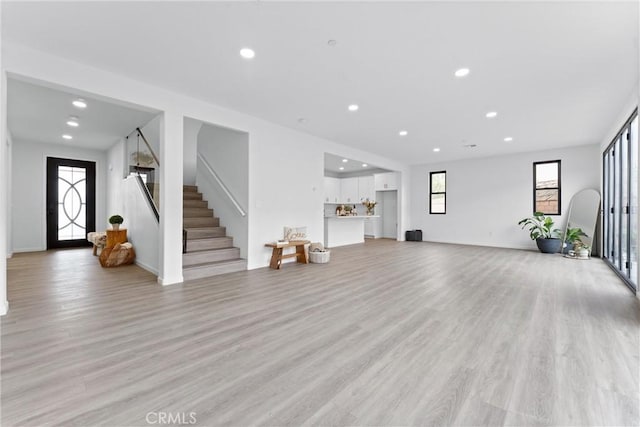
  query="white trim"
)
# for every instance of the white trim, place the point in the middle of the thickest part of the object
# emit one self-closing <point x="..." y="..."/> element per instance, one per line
<point x="4" y="308"/>
<point x="23" y="250"/>
<point x="147" y="267"/>
<point x="171" y="281"/>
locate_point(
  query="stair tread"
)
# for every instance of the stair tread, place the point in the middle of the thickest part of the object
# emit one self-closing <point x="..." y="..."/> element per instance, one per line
<point x="210" y="238"/>
<point x="202" y="228"/>
<point x="200" y="251"/>
<point x="213" y="263"/>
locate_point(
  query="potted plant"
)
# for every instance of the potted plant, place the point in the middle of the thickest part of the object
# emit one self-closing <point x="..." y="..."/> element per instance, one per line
<point x="115" y="221"/>
<point x="582" y="250"/>
<point x="370" y="205"/>
<point x="541" y="230"/>
<point x="572" y="239"/>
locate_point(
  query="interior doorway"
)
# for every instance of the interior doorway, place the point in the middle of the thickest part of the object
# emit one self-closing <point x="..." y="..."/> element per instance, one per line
<point x="71" y="202"/>
<point x="389" y="201"/>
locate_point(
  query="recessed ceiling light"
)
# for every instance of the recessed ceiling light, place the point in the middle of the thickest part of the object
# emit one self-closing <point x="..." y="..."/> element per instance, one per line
<point x="65" y="136"/>
<point x="462" y="72"/>
<point x="353" y="107"/>
<point x="79" y="103"/>
<point x="364" y="165"/>
<point x="332" y="42"/>
<point x="73" y="122"/>
<point x="508" y="139"/>
<point x="247" y="53"/>
<point x="403" y="133"/>
<point x="345" y="160"/>
<point x="491" y="114"/>
<point x="341" y="168"/>
<point x="436" y="150"/>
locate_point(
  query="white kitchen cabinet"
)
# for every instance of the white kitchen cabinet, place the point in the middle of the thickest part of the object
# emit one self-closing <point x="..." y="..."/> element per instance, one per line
<point x="386" y="181"/>
<point x="366" y="188"/>
<point x="331" y="190"/>
<point x="372" y="226"/>
<point x="349" y="190"/>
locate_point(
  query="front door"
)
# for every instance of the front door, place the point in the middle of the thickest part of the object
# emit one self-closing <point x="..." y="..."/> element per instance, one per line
<point x="71" y="202"/>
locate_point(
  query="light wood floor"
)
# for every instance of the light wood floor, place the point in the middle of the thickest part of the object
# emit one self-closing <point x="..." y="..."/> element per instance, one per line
<point x="388" y="333"/>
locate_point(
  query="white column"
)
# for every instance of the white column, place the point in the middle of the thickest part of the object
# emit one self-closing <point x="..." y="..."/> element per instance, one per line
<point x="171" y="154"/>
<point x="4" y="162"/>
<point x="638" y="104"/>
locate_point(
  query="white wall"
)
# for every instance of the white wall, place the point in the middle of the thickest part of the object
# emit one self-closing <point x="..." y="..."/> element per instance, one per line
<point x="115" y="173"/>
<point x="487" y="197"/>
<point x="227" y="152"/>
<point x="8" y="177"/>
<point x="190" y="150"/>
<point x="142" y="226"/>
<point x="5" y="161"/>
<point x="29" y="190"/>
<point x="285" y="166"/>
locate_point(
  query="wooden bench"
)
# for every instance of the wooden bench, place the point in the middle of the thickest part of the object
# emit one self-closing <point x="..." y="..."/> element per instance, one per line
<point x="277" y="256"/>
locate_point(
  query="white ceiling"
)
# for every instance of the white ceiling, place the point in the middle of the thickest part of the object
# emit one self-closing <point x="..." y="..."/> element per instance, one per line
<point x="39" y="114"/>
<point x="333" y="163"/>
<point x="557" y="73"/>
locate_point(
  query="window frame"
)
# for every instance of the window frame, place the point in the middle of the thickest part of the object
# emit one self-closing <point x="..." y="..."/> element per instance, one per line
<point x="431" y="193"/>
<point x="559" y="187"/>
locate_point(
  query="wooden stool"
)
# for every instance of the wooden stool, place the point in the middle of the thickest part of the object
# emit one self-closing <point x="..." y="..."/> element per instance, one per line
<point x="277" y="256"/>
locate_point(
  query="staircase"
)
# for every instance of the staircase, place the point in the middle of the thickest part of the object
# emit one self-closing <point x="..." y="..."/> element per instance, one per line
<point x="209" y="251"/>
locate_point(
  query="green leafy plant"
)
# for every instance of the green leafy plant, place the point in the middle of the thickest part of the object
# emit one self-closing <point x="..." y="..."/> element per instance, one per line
<point x="540" y="226"/>
<point x="574" y="235"/>
<point x="116" y="219"/>
<point x="579" y="245"/>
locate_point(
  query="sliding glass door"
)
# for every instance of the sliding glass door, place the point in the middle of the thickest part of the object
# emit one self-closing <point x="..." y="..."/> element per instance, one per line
<point x="620" y="202"/>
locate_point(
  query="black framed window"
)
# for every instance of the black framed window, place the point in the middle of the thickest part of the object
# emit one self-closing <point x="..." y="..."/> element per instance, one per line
<point x="547" y="192"/>
<point x="438" y="192"/>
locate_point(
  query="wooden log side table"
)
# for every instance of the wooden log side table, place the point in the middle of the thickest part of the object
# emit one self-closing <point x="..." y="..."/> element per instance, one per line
<point x="114" y="254"/>
<point x="116" y="236"/>
<point x="277" y="255"/>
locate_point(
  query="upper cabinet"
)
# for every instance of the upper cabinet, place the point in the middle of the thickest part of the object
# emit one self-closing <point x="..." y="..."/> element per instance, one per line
<point x="331" y="190"/>
<point x="355" y="190"/>
<point x="349" y="190"/>
<point x="366" y="188"/>
<point x="386" y="181"/>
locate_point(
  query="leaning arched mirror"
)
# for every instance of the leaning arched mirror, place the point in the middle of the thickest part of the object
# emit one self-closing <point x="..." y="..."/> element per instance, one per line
<point x="581" y="223"/>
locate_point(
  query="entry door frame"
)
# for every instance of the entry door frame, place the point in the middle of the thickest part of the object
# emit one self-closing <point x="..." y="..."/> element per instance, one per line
<point x="51" y="210"/>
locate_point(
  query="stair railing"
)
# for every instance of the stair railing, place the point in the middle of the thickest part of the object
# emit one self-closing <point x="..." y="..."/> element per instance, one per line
<point x="145" y="166"/>
<point x="148" y="196"/>
<point x="225" y="189"/>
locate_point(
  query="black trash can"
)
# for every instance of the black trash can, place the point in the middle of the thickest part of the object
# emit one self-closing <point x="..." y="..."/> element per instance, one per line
<point x="413" y="235"/>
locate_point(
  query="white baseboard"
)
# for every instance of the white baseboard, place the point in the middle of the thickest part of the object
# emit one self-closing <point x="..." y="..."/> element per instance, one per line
<point x="21" y="250"/>
<point x="170" y="281"/>
<point x="147" y="267"/>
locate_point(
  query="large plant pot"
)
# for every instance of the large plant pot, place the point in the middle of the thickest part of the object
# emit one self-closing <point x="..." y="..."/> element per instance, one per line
<point x="549" y="246"/>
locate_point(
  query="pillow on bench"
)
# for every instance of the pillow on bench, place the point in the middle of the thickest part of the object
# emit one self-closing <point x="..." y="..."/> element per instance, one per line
<point x="293" y="234"/>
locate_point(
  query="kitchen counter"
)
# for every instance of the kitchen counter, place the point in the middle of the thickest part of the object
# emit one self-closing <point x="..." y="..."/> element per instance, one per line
<point x="344" y="230"/>
<point x="351" y="216"/>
